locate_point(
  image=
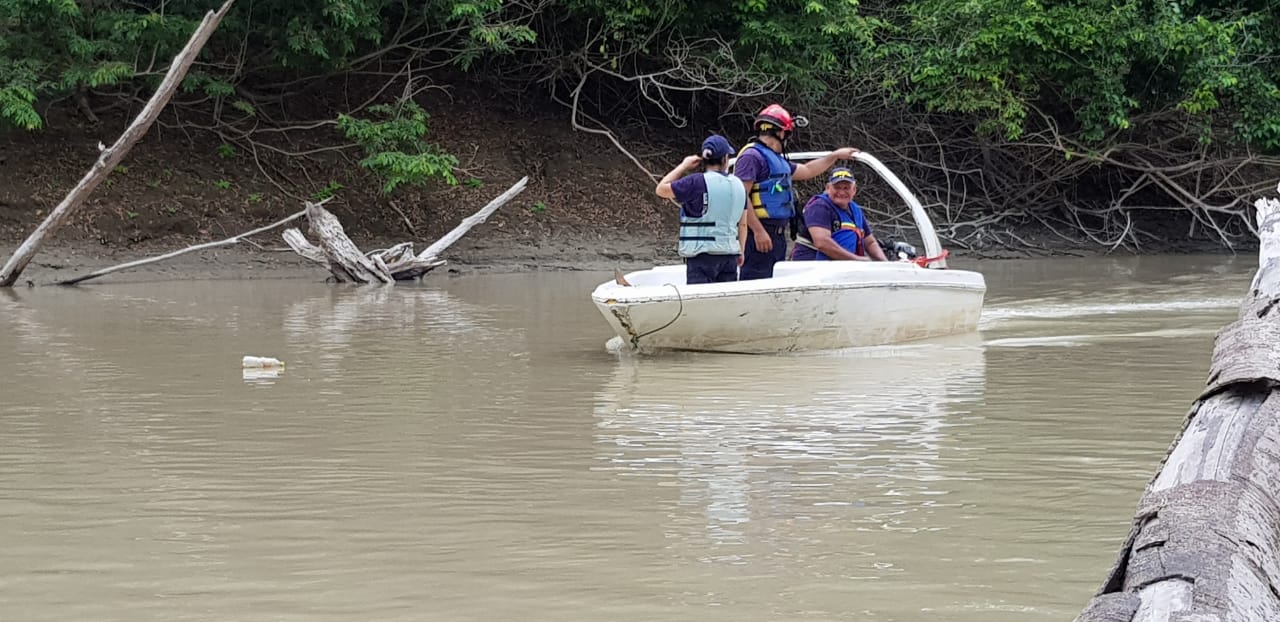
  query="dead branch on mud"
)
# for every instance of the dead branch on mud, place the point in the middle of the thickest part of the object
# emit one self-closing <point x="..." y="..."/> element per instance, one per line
<point x="347" y="263"/>
<point x="190" y="249"/>
<point x="111" y="156"/>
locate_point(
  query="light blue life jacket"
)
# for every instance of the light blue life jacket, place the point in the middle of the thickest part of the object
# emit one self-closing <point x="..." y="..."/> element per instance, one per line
<point x="716" y="231"/>
<point x="772" y="198"/>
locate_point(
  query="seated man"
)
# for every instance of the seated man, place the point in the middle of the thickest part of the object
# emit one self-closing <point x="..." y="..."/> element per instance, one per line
<point x="837" y="228"/>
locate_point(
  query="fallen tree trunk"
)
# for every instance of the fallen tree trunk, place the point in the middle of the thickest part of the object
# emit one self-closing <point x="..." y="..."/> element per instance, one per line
<point x="190" y="249"/>
<point x="347" y="263"/>
<point x="111" y="156"/>
<point x="1205" y="542"/>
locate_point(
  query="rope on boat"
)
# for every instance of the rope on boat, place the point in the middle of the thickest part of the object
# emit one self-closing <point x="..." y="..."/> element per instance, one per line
<point x="635" y="341"/>
<point x="924" y="262"/>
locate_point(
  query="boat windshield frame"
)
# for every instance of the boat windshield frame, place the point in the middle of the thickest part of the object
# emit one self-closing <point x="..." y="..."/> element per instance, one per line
<point x="932" y="246"/>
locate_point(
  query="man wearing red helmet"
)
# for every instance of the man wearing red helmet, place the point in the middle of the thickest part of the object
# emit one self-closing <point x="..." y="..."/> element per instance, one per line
<point x="767" y="177"/>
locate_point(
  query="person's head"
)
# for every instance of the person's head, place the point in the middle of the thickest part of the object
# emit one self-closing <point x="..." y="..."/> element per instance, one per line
<point x="841" y="186"/>
<point x="774" y="121"/>
<point x="716" y="151"/>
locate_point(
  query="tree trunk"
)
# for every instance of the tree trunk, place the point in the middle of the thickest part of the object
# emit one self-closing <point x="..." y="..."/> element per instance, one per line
<point x="347" y="263"/>
<point x="111" y="156"/>
<point x="1205" y="542"/>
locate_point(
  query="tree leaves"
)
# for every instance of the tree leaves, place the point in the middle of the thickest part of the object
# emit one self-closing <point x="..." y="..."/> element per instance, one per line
<point x="1092" y="65"/>
<point x="394" y="146"/>
<point x="16" y="107"/>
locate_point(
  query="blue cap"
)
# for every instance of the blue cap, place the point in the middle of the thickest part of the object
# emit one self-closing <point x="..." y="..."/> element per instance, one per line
<point x="715" y="147"/>
<point x="839" y="174"/>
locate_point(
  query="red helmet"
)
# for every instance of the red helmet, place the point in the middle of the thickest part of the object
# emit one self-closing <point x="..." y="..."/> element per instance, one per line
<point x="774" y="115"/>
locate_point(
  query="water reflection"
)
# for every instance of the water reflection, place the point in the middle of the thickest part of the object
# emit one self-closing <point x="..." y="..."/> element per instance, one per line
<point x="340" y="318"/>
<point x="758" y="444"/>
<point x="21" y="319"/>
<point x="261" y="376"/>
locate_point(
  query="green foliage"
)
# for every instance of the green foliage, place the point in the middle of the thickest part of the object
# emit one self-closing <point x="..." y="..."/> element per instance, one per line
<point x="50" y="48"/>
<point x="222" y="184"/>
<point x="255" y="197"/>
<point x="1092" y="68"/>
<point x="226" y="151"/>
<point x="473" y="182"/>
<point x="328" y="34"/>
<point x="17" y="107"/>
<point x="394" y="147"/>
<point x="327" y="192"/>
<point x="1100" y="62"/>
<point x="538" y="208"/>
<point x="245" y="107"/>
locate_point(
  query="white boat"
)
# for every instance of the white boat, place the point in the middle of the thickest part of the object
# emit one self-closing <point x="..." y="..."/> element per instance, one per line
<point x="807" y="305"/>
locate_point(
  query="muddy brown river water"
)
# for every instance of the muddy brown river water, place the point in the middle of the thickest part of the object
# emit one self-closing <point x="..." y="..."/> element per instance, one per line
<point x="466" y="450"/>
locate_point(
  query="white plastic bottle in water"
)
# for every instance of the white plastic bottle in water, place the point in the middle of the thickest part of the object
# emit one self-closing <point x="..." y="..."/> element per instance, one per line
<point x="262" y="361"/>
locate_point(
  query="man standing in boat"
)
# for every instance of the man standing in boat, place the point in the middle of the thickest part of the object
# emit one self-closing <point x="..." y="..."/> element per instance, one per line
<point x="836" y="227"/>
<point x="712" y="229"/>
<point x="767" y="177"/>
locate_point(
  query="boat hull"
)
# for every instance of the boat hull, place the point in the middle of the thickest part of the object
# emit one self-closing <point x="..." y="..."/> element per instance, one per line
<point x="806" y="306"/>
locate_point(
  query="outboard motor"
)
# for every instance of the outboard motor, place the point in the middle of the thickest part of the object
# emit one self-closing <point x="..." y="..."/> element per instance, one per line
<point x="902" y="250"/>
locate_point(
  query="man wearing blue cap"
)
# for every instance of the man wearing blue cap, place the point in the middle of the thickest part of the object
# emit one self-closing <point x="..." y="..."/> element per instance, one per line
<point x="837" y="228"/>
<point x="712" y="229"/>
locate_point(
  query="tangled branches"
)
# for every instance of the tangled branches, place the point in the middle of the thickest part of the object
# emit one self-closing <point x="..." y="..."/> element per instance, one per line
<point x="658" y="92"/>
<point x="982" y="191"/>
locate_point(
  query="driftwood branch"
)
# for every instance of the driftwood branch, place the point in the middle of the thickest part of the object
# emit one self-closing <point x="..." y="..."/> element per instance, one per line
<point x="347" y="263"/>
<point x="1205" y="542"/>
<point x="111" y="156"/>
<point x="301" y="246"/>
<point x="190" y="249"/>
<point x="433" y="251"/>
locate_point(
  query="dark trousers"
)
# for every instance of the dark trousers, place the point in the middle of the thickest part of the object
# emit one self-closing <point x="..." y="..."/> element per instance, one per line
<point x="758" y="265"/>
<point x="706" y="268"/>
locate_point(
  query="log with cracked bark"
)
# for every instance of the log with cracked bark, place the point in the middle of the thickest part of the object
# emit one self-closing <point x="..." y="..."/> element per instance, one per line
<point x="1205" y="542"/>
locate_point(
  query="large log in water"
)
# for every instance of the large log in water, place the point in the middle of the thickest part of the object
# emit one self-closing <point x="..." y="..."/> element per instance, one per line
<point x="347" y="263"/>
<point x="1205" y="542"/>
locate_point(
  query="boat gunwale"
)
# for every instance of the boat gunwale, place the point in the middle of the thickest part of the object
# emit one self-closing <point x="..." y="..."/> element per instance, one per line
<point x="639" y="297"/>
